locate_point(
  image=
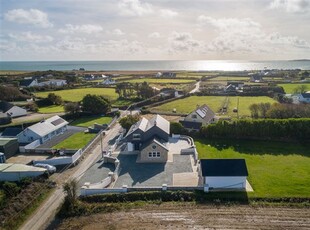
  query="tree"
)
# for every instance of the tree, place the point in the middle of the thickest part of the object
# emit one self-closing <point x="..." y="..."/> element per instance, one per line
<point x="72" y="108"/>
<point x="54" y="99"/>
<point x="70" y="189"/>
<point x="128" y="121"/>
<point x="254" y="110"/>
<point x="263" y="108"/>
<point x="96" y="104"/>
<point x="300" y="89"/>
<point x="145" y="91"/>
<point x="177" y="128"/>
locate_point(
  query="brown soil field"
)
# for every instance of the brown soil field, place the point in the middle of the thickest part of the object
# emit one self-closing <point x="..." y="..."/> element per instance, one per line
<point x="190" y="216"/>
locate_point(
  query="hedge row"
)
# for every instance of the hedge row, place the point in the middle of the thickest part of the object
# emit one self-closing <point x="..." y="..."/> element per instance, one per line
<point x="262" y="129"/>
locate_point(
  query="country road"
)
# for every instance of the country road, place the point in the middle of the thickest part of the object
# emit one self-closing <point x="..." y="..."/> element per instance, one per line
<point x="46" y="212"/>
<point x="196" y="89"/>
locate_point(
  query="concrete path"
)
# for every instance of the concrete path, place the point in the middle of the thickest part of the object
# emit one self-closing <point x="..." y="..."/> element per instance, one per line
<point x="196" y="89"/>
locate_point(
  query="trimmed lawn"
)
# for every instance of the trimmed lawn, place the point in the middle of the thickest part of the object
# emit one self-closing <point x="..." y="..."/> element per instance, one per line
<point x="276" y="169"/>
<point x="78" y="94"/>
<point x="89" y="121"/>
<point x="76" y="141"/>
<point x="186" y="105"/>
<point x="52" y="109"/>
<point x="159" y="80"/>
<point x="289" y="88"/>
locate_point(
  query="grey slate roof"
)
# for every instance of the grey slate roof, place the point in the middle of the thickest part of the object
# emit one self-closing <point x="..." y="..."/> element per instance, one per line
<point x="144" y="124"/>
<point x="5" y="106"/>
<point x="11" y="132"/>
<point x="205" y="113"/>
<point x="223" y="167"/>
<point x="26" y="82"/>
<point x="191" y="124"/>
<point x="306" y="95"/>
<point x="161" y="143"/>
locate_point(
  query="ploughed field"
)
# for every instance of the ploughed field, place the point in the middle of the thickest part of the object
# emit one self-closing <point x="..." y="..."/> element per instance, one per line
<point x="190" y="216"/>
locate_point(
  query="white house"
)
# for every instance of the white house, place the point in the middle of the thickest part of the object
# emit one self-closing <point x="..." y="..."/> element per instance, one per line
<point x="224" y="173"/>
<point x="43" y="131"/>
<point x="16" y="172"/>
<point x="8" y="109"/>
<point x="304" y="97"/>
<point x="54" y="82"/>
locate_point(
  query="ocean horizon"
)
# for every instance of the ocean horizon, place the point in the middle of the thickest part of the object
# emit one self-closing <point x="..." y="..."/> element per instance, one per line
<point x="160" y="65"/>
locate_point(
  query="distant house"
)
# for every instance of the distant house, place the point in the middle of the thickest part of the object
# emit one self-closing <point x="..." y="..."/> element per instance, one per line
<point x="150" y="138"/>
<point x="230" y="88"/>
<point x="256" y="78"/>
<point x="8" y="109"/>
<point x="54" y="82"/>
<point x="43" y="131"/>
<point x="224" y="173"/>
<point x="159" y="74"/>
<point x="16" y="172"/>
<point x="202" y="116"/>
<point x="233" y="86"/>
<point x="304" y="98"/>
<point x="28" y="83"/>
<point x="108" y="81"/>
<point x="168" y="75"/>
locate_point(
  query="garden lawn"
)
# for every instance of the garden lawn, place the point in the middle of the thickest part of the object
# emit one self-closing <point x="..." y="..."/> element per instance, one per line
<point x="78" y="94"/>
<point x="76" y="141"/>
<point x="52" y="109"/>
<point x="89" y="121"/>
<point x="276" y="169"/>
<point x="186" y="105"/>
<point x="290" y="87"/>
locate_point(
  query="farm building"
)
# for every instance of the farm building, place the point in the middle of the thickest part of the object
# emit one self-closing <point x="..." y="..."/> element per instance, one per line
<point x="150" y="138"/>
<point x="16" y="172"/>
<point x="224" y="173"/>
<point x="8" y="146"/>
<point x="8" y="109"/>
<point x="203" y="115"/>
<point x="43" y="131"/>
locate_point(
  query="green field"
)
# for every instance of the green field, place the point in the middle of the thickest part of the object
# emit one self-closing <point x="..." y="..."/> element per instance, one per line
<point x="188" y="104"/>
<point x="52" y="109"/>
<point x="289" y="88"/>
<point x="76" y="141"/>
<point x="159" y="81"/>
<point x="276" y="169"/>
<point x="78" y="94"/>
<point x="230" y="78"/>
<point x="89" y="121"/>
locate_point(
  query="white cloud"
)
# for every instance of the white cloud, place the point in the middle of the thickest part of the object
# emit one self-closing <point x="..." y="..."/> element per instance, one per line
<point x="33" y="16"/>
<point x="246" y="35"/>
<point x="30" y="37"/>
<point x="134" y="8"/>
<point x="166" y="13"/>
<point x="291" y="6"/>
<point x="184" y="42"/>
<point x="85" y="28"/>
<point x="154" y="35"/>
<point x="118" y="32"/>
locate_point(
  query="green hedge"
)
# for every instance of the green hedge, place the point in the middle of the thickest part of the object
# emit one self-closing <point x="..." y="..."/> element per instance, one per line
<point x="268" y="129"/>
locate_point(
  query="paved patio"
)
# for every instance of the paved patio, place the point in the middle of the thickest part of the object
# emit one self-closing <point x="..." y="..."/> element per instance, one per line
<point x="135" y="174"/>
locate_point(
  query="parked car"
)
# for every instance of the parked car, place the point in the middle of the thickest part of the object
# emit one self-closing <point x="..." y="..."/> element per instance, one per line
<point x="50" y="168"/>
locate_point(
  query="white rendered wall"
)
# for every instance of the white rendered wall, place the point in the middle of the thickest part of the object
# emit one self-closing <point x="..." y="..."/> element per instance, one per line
<point x="226" y="182"/>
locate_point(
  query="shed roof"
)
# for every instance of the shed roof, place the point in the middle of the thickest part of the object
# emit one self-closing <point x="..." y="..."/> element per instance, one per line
<point x="11" y="132"/>
<point x="5" y="106"/>
<point x="4" y="141"/>
<point x="306" y="95"/>
<point x="223" y="167"/>
<point x="19" y="168"/>
<point x="191" y="124"/>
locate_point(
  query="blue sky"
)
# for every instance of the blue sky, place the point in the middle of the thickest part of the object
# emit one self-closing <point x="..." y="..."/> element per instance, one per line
<point x="154" y="29"/>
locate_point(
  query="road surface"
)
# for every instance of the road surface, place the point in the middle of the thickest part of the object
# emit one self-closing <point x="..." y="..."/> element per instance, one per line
<point x="196" y="89"/>
<point x="47" y="211"/>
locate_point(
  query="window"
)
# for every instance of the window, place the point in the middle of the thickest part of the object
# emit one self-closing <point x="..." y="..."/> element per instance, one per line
<point x="194" y="116"/>
<point x="154" y="154"/>
<point x="153" y="146"/>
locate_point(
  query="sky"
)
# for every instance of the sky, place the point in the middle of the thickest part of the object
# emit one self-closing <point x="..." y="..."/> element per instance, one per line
<point x="43" y="30"/>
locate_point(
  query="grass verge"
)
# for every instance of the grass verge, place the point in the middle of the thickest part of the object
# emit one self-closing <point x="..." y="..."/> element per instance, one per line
<point x="89" y="121"/>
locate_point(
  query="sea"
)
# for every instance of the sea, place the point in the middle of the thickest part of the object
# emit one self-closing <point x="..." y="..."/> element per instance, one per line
<point x="197" y="65"/>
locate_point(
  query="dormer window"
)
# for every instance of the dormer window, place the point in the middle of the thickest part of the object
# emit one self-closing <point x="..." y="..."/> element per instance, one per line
<point x="194" y="116"/>
<point x="136" y="136"/>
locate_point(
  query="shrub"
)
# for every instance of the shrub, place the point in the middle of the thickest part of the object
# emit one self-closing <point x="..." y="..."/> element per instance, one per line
<point x="11" y="189"/>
